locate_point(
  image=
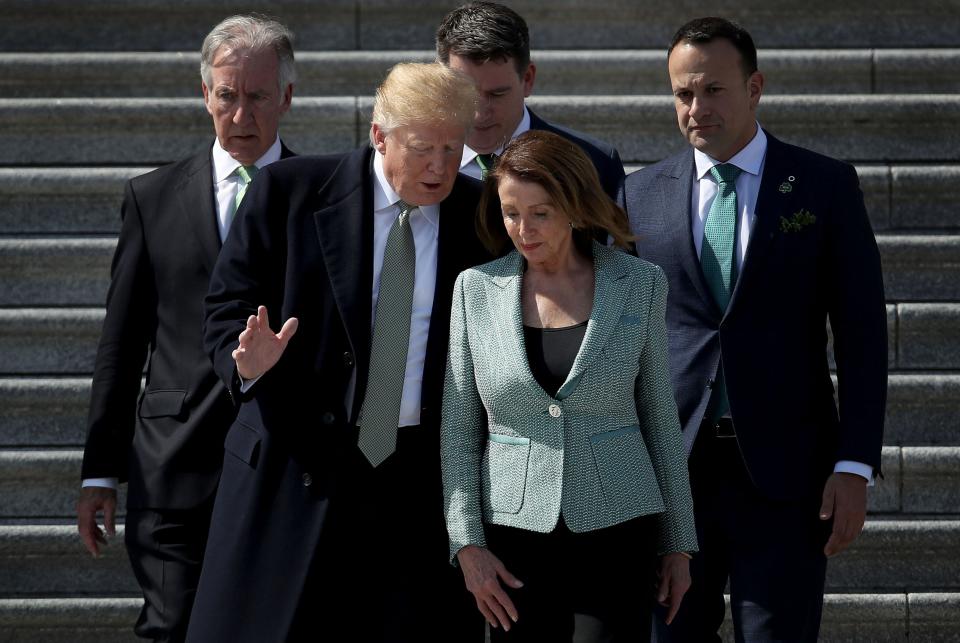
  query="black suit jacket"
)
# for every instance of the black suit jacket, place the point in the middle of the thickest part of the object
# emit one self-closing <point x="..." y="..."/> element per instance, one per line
<point x="303" y="249"/>
<point x="773" y="335"/>
<point x="168" y="442"/>
<point x="604" y="156"/>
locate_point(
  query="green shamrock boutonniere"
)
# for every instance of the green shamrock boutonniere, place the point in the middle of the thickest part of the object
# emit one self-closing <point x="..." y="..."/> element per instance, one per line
<point x="798" y="221"/>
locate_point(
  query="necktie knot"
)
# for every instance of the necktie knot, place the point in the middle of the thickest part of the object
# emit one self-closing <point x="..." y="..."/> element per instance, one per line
<point x="405" y="208"/>
<point x="725" y="173"/>
<point x="486" y="162"/>
<point x="247" y="172"/>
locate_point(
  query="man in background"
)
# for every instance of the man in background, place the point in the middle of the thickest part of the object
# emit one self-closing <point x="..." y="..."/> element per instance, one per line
<point x="491" y="43"/>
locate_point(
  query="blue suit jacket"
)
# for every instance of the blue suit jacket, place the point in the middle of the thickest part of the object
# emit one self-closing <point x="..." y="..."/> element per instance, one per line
<point x="773" y="334"/>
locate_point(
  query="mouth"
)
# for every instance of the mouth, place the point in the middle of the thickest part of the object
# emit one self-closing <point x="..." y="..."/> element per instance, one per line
<point x="431" y="187"/>
<point x="527" y="247"/>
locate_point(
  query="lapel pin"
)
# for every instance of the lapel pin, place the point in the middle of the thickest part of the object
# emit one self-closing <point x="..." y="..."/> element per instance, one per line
<point x="785" y="187"/>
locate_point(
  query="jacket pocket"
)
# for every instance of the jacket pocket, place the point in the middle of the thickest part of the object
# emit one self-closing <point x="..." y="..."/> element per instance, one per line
<point x="504" y="469"/>
<point x="625" y="471"/>
<point x="155" y="404"/>
<point x="243" y="442"/>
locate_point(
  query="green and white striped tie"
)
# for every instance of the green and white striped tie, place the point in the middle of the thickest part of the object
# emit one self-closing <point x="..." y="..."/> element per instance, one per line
<point x="380" y="413"/>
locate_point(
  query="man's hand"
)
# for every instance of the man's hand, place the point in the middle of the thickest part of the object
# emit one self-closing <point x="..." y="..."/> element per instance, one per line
<point x="482" y="572"/>
<point x="674" y="575"/>
<point x="92" y="501"/>
<point x="260" y="349"/>
<point x="844" y="500"/>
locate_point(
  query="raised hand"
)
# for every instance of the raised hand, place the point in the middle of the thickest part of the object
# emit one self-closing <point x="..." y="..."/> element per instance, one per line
<point x="260" y="348"/>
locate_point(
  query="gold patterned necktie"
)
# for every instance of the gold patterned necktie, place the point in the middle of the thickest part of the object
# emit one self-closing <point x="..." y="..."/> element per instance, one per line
<point x="380" y="413"/>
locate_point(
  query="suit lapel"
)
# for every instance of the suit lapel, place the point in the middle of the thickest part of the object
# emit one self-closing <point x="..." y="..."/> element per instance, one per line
<point x="610" y="289"/>
<point x="344" y="231"/>
<point x="195" y="197"/>
<point x="770" y="203"/>
<point x="676" y="192"/>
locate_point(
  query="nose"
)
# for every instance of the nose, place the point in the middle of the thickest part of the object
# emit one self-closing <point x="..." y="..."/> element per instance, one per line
<point x="242" y="112"/>
<point x="698" y="108"/>
<point x="484" y="109"/>
<point x="435" y="163"/>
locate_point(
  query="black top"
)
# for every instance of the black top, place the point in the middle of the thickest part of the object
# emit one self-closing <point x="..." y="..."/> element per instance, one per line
<point x="551" y="352"/>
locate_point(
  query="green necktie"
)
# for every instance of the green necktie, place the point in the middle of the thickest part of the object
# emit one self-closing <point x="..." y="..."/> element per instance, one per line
<point x="716" y="257"/>
<point x="486" y="162"/>
<point x="380" y="413"/>
<point x="246" y="174"/>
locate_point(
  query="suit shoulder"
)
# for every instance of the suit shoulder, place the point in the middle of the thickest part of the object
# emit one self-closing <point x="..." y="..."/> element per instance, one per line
<point x="813" y="161"/>
<point x="164" y="176"/>
<point x="591" y="145"/>
<point x="668" y="166"/>
<point x="632" y="264"/>
<point x="296" y="168"/>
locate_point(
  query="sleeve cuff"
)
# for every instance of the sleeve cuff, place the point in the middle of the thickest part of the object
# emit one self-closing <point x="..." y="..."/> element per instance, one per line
<point x="865" y="471"/>
<point x="246" y="385"/>
<point x="108" y="483"/>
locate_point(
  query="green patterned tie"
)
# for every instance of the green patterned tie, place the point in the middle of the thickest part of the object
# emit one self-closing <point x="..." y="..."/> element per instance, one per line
<point x="716" y="253"/>
<point x="246" y="174"/>
<point x="716" y="256"/>
<point x="380" y="413"/>
<point x="486" y="162"/>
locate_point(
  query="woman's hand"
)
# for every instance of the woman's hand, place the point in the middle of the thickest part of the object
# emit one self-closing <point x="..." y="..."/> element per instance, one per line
<point x="674" y="575"/>
<point x="260" y="349"/>
<point x="482" y="573"/>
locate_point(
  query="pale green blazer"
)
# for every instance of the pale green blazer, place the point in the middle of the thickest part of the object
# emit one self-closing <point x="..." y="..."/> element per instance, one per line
<point x="606" y="449"/>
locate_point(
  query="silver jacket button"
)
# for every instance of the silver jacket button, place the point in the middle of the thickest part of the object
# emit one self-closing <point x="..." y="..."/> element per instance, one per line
<point x="307" y="480"/>
<point x="555" y="411"/>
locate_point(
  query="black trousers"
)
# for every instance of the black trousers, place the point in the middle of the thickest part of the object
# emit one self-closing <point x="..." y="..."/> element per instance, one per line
<point x="771" y="552"/>
<point x="608" y="573"/>
<point x="166" y="547"/>
<point x="382" y="571"/>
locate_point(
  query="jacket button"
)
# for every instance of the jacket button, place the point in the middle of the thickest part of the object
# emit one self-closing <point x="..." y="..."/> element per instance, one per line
<point x="555" y="411"/>
<point x="328" y="418"/>
<point x="710" y="384"/>
<point x="307" y="480"/>
<point x="348" y="359"/>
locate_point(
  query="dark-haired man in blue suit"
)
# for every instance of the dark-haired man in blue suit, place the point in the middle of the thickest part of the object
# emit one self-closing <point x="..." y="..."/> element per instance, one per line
<point x="762" y="243"/>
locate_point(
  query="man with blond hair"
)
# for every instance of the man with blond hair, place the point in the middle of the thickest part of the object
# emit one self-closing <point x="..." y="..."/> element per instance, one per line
<point x="167" y="443"/>
<point x="328" y="523"/>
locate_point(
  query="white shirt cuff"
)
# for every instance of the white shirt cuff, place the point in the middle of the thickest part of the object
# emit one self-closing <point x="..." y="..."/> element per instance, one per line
<point x="865" y="471"/>
<point x="246" y="385"/>
<point x="108" y="483"/>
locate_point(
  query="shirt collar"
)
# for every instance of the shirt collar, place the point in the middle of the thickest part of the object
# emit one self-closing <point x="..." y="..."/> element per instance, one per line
<point x="224" y="165"/>
<point x="385" y="196"/>
<point x="749" y="159"/>
<point x="469" y="154"/>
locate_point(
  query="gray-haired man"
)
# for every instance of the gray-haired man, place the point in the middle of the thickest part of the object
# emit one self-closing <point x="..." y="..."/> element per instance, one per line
<point x="167" y="443"/>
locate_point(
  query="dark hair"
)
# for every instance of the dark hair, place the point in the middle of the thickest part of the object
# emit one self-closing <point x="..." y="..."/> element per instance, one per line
<point x="568" y="177"/>
<point x="704" y="30"/>
<point x="482" y="31"/>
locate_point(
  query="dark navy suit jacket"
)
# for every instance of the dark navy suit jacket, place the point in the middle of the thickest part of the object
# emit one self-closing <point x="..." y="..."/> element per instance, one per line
<point x="773" y="336"/>
<point x="604" y="156"/>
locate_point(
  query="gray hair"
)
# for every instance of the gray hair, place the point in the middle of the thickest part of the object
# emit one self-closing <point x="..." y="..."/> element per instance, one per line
<point x="255" y="33"/>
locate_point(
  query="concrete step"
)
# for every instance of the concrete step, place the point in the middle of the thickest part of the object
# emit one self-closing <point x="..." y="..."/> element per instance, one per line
<point x="44" y="271"/>
<point x="878" y="618"/>
<point x="890" y="556"/>
<point x="559" y="72"/>
<point x="80" y="200"/>
<point x="69" y="620"/>
<point x="38" y="483"/>
<point x="889" y="127"/>
<point x="99" y="25"/>
<point x="900" y="555"/>
<point x="42" y="483"/>
<point x="49" y="561"/>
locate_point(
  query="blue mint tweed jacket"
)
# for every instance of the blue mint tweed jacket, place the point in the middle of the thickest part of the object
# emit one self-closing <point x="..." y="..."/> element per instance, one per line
<point x="606" y="449"/>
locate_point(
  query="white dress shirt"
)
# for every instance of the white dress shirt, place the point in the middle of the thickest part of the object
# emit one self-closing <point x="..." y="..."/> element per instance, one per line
<point x="750" y="160"/>
<point x="468" y="162"/>
<point x="226" y="183"/>
<point x="225" y="186"/>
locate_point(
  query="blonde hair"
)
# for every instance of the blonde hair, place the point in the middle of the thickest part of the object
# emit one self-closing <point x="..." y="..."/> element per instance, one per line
<point x="423" y="93"/>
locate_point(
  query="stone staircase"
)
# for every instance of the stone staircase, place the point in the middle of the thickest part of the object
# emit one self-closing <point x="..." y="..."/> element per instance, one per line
<point x="96" y="92"/>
